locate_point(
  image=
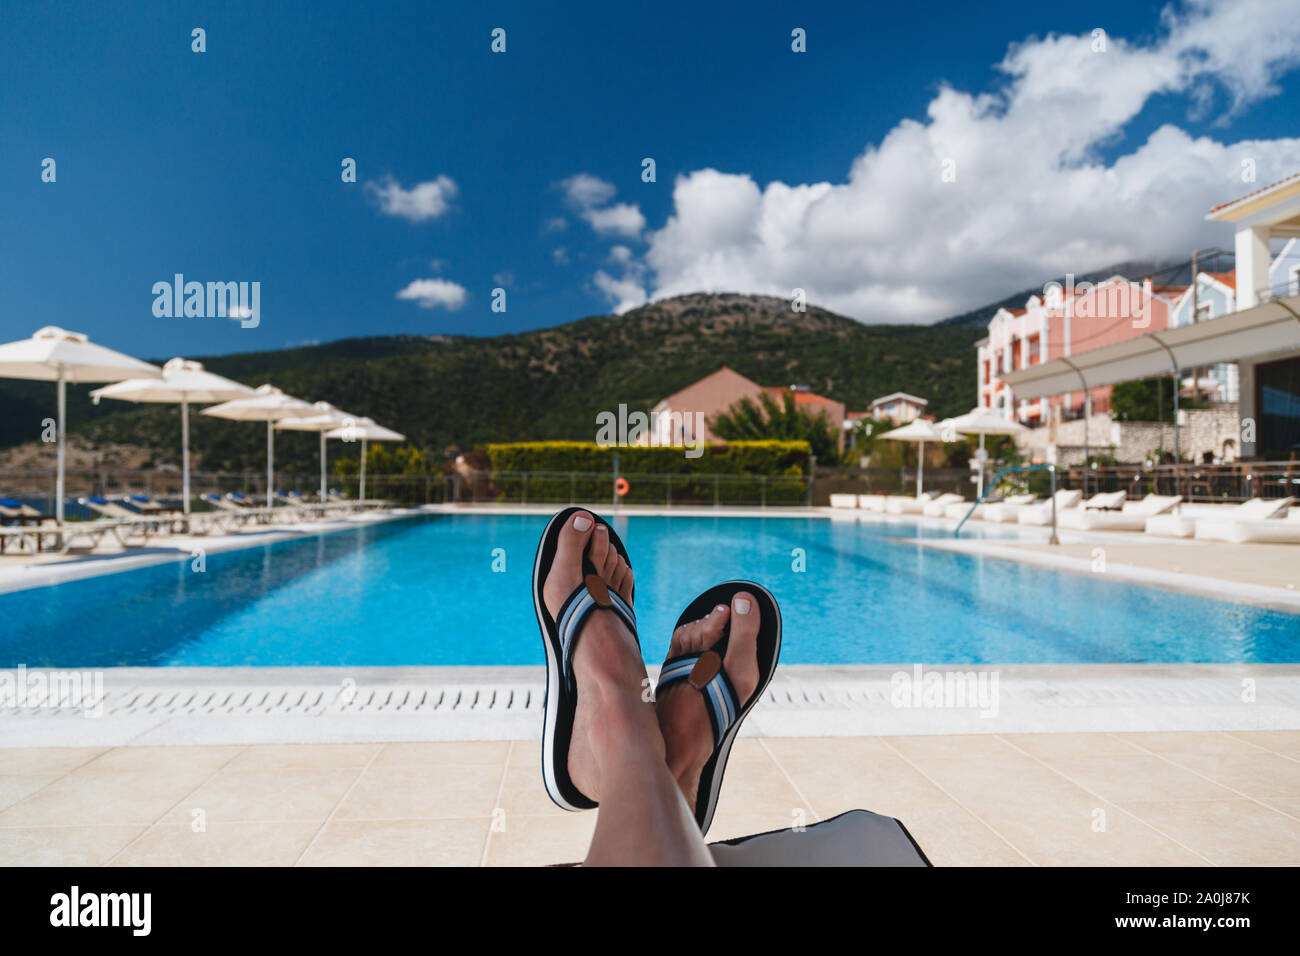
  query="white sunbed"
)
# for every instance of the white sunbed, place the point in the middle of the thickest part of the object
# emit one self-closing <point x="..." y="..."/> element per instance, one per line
<point x="938" y="507"/>
<point x="960" y="509"/>
<point x="844" y="501"/>
<point x="1260" y="519"/>
<point x="1182" y="524"/>
<point x="1131" y="517"/>
<point x="907" y="505"/>
<point x="1040" y="513"/>
<point x="874" y="503"/>
<point x="1009" y="508"/>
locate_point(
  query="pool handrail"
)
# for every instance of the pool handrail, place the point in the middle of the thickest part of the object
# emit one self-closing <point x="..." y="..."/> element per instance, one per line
<point x="994" y="483"/>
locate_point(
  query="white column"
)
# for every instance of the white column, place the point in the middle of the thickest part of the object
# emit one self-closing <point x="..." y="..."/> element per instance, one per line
<point x="362" y="493"/>
<point x="270" y="462"/>
<point x="63" y="434"/>
<point x="1251" y="249"/>
<point x="322" y="465"/>
<point x="185" y="454"/>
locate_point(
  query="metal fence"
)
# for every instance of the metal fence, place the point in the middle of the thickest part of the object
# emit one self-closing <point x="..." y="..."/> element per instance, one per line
<point x="36" y="487"/>
<point x="667" y="490"/>
<point x="1227" y="483"/>
<point x="1205" y="482"/>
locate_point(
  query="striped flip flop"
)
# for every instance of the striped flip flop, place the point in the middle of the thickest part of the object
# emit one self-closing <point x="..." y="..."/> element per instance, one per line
<point x="560" y="635"/>
<point x="705" y="672"/>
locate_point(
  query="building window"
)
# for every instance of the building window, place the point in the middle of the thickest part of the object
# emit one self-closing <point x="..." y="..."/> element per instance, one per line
<point x="1277" y="398"/>
<point x="1204" y="312"/>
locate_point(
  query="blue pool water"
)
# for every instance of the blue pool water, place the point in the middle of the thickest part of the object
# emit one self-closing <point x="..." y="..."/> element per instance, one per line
<point x="423" y="591"/>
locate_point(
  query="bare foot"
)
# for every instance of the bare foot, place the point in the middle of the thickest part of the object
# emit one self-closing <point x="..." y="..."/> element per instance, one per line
<point x="607" y="664"/>
<point x="688" y="736"/>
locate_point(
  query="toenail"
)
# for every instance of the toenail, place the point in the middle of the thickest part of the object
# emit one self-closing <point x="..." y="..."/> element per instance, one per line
<point x="581" y="523"/>
<point x="720" y="608"/>
<point x="742" y="605"/>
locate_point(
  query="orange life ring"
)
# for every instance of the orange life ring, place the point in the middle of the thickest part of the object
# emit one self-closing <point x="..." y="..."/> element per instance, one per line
<point x="621" y="486"/>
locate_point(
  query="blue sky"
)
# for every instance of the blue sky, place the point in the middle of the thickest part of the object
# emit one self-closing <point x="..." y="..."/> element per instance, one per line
<point x="774" y="169"/>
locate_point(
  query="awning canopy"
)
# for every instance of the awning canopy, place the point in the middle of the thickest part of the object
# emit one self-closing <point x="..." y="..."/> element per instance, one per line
<point x="1269" y="327"/>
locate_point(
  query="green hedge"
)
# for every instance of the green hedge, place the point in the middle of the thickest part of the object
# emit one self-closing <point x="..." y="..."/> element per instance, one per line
<point x="788" y="458"/>
<point x="751" y="472"/>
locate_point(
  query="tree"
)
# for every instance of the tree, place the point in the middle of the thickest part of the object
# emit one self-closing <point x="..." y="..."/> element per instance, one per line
<point x="1147" y="400"/>
<point x="747" y="420"/>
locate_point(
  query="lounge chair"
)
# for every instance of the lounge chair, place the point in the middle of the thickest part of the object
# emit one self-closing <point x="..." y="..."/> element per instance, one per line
<point x="938" y="507"/>
<point x="1182" y="524"/>
<point x="960" y="509"/>
<point x="873" y="503"/>
<point x="844" y="501"/>
<point x="13" y="511"/>
<point x="1040" y="514"/>
<point x="907" y="505"/>
<point x="146" y="504"/>
<point x="107" y="509"/>
<point x="1132" y="516"/>
<point x="225" y="504"/>
<point x="1260" y="519"/>
<point x="1009" y="508"/>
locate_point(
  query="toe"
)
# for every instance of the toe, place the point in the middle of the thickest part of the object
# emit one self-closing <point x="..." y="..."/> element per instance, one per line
<point x="600" y="549"/>
<point x="566" y="571"/>
<point x="742" y="647"/>
<point x="624" y="586"/>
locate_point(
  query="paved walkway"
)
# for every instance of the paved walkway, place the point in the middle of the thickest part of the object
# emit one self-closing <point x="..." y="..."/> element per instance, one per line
<point x="1007" y="799"/>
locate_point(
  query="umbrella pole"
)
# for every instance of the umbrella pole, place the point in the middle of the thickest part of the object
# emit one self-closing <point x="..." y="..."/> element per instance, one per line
<point x="362" y="496"/>
<point x="62" y="435"/>
<point x="322" y="464"/>
<point x="979" y="486"/>
<point x="270" y="462"/>
<point x="185" y="454"/>
<point x="920" y="465"/>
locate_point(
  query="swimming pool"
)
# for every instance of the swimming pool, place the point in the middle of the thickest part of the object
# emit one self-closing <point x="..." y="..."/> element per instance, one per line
<point x="455" y="589"/>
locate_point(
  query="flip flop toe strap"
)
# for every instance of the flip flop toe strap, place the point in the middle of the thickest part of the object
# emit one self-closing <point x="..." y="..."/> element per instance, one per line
<point x="588" y="597"/>
<point x="704" y="672"/>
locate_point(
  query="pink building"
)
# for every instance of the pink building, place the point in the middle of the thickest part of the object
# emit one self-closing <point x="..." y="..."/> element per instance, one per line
<point x="1064" y="321"/>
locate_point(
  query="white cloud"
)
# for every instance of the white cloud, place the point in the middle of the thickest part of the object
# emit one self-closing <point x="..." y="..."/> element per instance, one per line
<point x="625" y="293"/>
<point x="555" y="224"/>
<point x="1031" y="198"/>
<point x="621" y="219"/>
<point x="560" y="256"/>
<point x="420" y="203"/>
<point x="590" y="196"/>
<point x="584" y="190"/>
<point x="431" y="293"/>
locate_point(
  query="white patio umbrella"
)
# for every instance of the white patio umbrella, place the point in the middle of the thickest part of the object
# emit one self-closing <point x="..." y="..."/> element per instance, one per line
<point x="366" y="430"/>
<point x="182" y="381"/>
<point x="266" y="404"/>
<point x="919" y="431"/>
<point x="327" y="418"/>
<point x="981" y="421"/>
<point x="55" y="355"/>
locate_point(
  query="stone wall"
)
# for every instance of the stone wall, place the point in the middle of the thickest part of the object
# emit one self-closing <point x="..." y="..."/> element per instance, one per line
<point x="1204" y="430"/>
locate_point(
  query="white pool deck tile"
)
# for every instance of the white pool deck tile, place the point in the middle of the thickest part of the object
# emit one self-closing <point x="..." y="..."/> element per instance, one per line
<point x="233" y="706"/>
<point x="1096" y="799"/>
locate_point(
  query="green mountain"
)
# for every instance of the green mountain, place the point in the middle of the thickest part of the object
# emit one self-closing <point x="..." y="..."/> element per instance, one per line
<point x="462" y="391"/>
